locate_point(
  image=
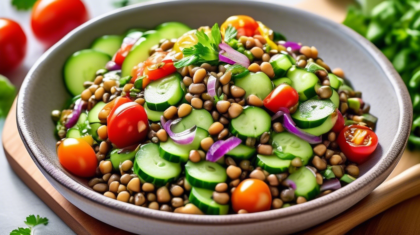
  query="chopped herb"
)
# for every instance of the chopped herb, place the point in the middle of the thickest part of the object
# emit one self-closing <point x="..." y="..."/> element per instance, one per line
<point x="230" y="33"/>
<point x="31" y="222"/>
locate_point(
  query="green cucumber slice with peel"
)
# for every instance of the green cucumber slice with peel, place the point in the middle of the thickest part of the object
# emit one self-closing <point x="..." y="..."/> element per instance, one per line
<point x="281" y="63"/>
<point x="202" y="198"/>
<point x="258" y="84"/>
<point x="118" y="156"/>
<point x="205" y="174"/>
<point x="313" y="113"/>
<point x="280" y="81"/>
<point x="335" y="81"/>
<point x="170" y="30"/>
<point x="306" y="185"/>
<point x="163" y="93"/>
<point x="241" y="152"/>
<point x="252" y="122"/>
<point x="108" y="44"/>
<point x="272" y="164"/>
<point x="288" y="143"/>
<point x="152" y="115"/>
<point x="174" y="152"/>
<point x="198" y="117"/>
<point x="94" y="112"/>
<point x="304" y="82"/>
<point x="152" y="168"/>
<point x="325" y="127"/>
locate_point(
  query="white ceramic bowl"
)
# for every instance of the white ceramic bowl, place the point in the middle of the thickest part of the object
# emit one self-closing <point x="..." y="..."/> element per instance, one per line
<point x="369" y="71"/>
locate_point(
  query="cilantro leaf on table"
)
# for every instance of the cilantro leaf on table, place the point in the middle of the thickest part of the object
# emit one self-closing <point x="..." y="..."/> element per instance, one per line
<point x="205" y="51"/>
<point x="21" y="231"/>
<point x="31" y="222"/>
<point x="230" y="33"/>
<point x="23" y="5"/>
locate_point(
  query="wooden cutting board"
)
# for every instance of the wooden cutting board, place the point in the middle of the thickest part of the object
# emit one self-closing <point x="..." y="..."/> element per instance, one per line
<point x="400" y="219"/>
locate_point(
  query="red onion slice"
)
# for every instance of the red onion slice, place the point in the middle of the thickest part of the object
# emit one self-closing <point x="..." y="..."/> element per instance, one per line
<point x="233" y="55"/>
<point x="221" y="147"/>
<point x="111" y="66"/>
<point x="211" y="86"/>
<point x="223" y="58"/>
<point x="293" y="45"/>
<point x="332" y="184"/>
<point x="290" y="183"/>
<point x="185" y="137"/>
<point x="77" y="110"/>
<point x="290" y="126"/>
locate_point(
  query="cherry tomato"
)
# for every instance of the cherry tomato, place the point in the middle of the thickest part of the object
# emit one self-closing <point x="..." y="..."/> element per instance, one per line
<point x="158" y="71"/>
<point x="339" y="124"/>
<point x="357" y="142"/>
<point x="154" y="60"/>
<point x="78" y="157"/>
<point x="53" y="19"/>
<point x="253" y="195"/>
<point x="245" y="25"/>
<point x="128" y="125"/>
<point x="12" y="45"/>
<point x="126" y="46"/>
<point x="117" y="103"/>
<point x="283" y="96"/>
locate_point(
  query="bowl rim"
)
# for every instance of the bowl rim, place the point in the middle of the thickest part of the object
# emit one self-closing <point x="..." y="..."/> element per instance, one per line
<point x="388" y="160"/>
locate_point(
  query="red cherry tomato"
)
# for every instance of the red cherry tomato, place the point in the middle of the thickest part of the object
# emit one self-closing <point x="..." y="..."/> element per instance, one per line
<point x="253" y="195"/>
<point x="78" y="157"/>
<point x="154" y="60"/>
<point x="126" y="46"/>
<point x="12" y="45"/>
<point x="128" y="125"/>
<point x="283" y="96"/>
<point x="339" y="124"/>
<point x="160" y="70"/>
<point x="245" y="25"/>
<point x="357" y="142"/>
<point x="117" y="103"/>
<point x="53" y="19"/>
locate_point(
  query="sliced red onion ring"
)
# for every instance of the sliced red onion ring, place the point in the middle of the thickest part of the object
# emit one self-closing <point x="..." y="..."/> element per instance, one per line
<point x="111" y="66"/>
<point x="223" y="58"/>
<point x="293" y="45"/>
<point x="233" y="55"/>
<point x="221" y="147"/>
<point x="77" y="110"/>
<point x="211" y="86"/>
<point x="162" y="120"/>
<point x="185" y="137"/>
<point x="290" y="183"/>
<point x="332" y="184"/>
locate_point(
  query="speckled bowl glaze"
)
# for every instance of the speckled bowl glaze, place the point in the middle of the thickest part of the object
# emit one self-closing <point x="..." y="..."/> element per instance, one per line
<point x="365" y="66"/>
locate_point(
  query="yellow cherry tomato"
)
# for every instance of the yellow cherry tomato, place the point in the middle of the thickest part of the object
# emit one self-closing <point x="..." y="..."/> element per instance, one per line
<point x="245" y="25"/>
<point x="266" y="32"/>
<point x="78" y="157"/>
<point x="189" y="39"/>
<point x="87" y="138"/>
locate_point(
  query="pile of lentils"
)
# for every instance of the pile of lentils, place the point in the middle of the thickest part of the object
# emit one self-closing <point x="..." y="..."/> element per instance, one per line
<point x="125" y="186"/>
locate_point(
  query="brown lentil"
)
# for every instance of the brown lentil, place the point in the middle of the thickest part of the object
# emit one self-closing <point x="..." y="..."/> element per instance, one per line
<point x="125" y="178"/>
<point x="221" y="187"/>
<point x="331" y="136"/>
<point x="250" y="42"/>
<point x="223" y="134"/>
<point x="257" y="52"/>
<point x="336" y="159"/>
<point x="319" y="179"/>
<point x="99" y="93"/>
<point x="237" y="92"/>
<point x="187" y="186"/>
<point x="301" y="63"/>
<point x="235" y="110"/>
<point x="229" y="161"/>
<point x="265" y="137"/>
<point x="184" y="110"/>
<point x="109" y="194"/>
<point x="222" y="106"/>
<point x="208" y="105"/>
<point x="113" y="187"/>
<point x="329" y="153"/>
<point x="242" y="211"/>
<point x="267" y="69"/>
<point x="353" y="170"/>
<point x="176" y="191"/>
<point x="325" y="92"/>
<point x="250" y="141"/>
<point x="86" y="94"/>
<point x="134" y="185"/>
<point x="121" y="188"/>
<point x="300" y="200"/>
<point x="306" y="51"/>
<point x="163" y="195"/>
<point x="314" y="52"/>
<point x="272" y="180"/>
<point x="148" y="187"/>
<point x="265" y="149"/>
<point x="297" y="162"/>
<point x="151" y="197"/>
<point x="339" y="72"/>
<point x="105" y="166"/>
<point x="233" y="172"/>
<point x="101" y="187"/>
<point x="139" y="199"/>
<point x="221" y="198"/>
<point x="257" y="174"/>
<point x="338" y="171"/>
<point x="245" y="164"/>
<point x="199" y="75"/>
<point x="278" y="127"/>
<point x="254" y="67"/>
<point x="320" y="149"/>
<point x="234" y="183"/>
<point x="114" y="177"/>
<point x="189" y="209"/>
<point x="154" y="206"/>
<point x="126" y="165"/>
<point x="194" y="156"/>
<point x="170" y="112"/>
<point x="95" y="181"/>
<point x="319" y="163"/>
<point x="103" y="132"/>
<point x="197" y="88"/>
<point x="287" y="195"/>
<point x="277" y="203"/>
<point x="106" y="177"/>
<point x="197" y="103"/>
<point x="177" y="202"/>
<point x="225" y="79"/>
<point x="344" y="107"/>
<point x="187" y="81"/>
<point x="206" y="143"/>
<point x="166" y="45"/>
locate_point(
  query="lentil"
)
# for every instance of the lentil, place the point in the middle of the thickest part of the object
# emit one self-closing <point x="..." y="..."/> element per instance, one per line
<point x="170" y="112"/>
<point x="229" y="161"/>
<point x="199" y="75"/>
<point x="184" y="110"/>
<point x="189" y="209"/>
<point x="100" y="188"/>
<point x="272" y="180"/>
<point x="208" y="105"/>
<point x="94" y="181"/>
<point x="320" y="149"/>
<point x="148" y="187"/>
<point x="336" y="160"/>
<point x="114" y="177"/>
<point x="109" y="194"/>
<point x="177" y="191"/>
<point x="113" y="187"/>
<point x="223" y="134"/>
<point x="139" y="199"/>
<point x="277" y="203"/>
<point x="221" y="187"/>
<point x="197" y="88"/>
<point x="250" y="42"/>
<point x="267" y="69"/>
<point x="254" y="67"/>
<point x="235" y="110"/>
<point x="338" y="171"/>
<point x="225" y="79"/>
<point x="221" y="198"/>
<point x="194" y="156"/>
<point x="242" y="211"/>
<point x="325" y="92"/>
<point x="224" y="120"/>
<point x="222" y="106"/>
<point x="206" y="143"/>
<point x="265" y="149"/>
<point x="125" y="178"/>
<point x="154" y="206"/>
<point x="257" y="52"/>
<point x="319" y="179"/>
<point x="177" y="202"/>
<point x="278" y="127"/>
<point x="105" y="167"/>
<point x="134" y="185"/>
<point x="331" y="136"/>
<point x="121" y="188"/>
<point x="233" y="172"/>
<point x="274" y="191"/>
<point x="98" y="80"/>
<point x="319" y="163"/>
<point x="197" y="103"/>
<point x="339" y="72"/>
<point x="151" y="197"/>
<point x="257" y="174"/>
<point x="287" y="195"/>
<point x="234" y="183"/>
<point x="106" y="177"/>
<point x="353" y="170"/>
<point x="297" y="162"/>
<point x="300" y="200"/>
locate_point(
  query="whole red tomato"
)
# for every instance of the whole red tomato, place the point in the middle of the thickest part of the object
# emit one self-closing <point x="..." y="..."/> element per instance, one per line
<point x="357" y="142"/>
<point x="339" y="124"/>
<point x="12" y="45"/>
<point x="53" y="19"/>
<point x="78" y="157"/>
<point x="283" y="96"/>
<point x="252" y="195"/>
<point x="128" y="125"/>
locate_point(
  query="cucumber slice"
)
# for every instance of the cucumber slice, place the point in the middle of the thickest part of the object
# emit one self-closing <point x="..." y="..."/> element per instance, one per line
<point x="118" y="158"/>
<point x="241" y="152"/>
<point x="347" y="178"/>
<point x="313" y="113"/>
<point x="152" y="168"/>
<point x="202" y="198"/>
<point x="205" y="174"/>
<point x="140" y="51"/>
<point x="305" y="181"/>
<point x="252" y="122"/>
<point x="324" y="127"/>
<point x="280" y="81"/>
<point x="304" y="82"/>
<point x="93" y="131"/>
<point x="162" y="93"/>
<point x="174" y="152"/>
<point x="94" y="112"/>
<point x="199" y="117"/>
<point x="73" y="133"/>
<point x="81" y="67"/>
<point x="170" y="30"/>
<point x="288" y="143"/>
<point x="314" y="67"/>
<point x="335" y="98"/>
<point x="354" y="104"/>
<point x="281" y="63"/>
<point x="335" y="81"/>
<point x="108" y="44"/>
<point x="238" y="71"/>
<point x="272" y="164"/>
<point x="258" y="84"/>
<point x="152" y="115"/>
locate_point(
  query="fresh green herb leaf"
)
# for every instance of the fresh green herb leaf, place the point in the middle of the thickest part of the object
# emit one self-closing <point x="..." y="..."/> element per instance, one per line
<point x="21" y="231"/>
<point x="230" y="33"/>
<point x="33" y="221"/>
<point x="356" y="20"/>
<point x="23" y="5"/>
<point x="216" y="36"/>
<point x="186" y="61"/>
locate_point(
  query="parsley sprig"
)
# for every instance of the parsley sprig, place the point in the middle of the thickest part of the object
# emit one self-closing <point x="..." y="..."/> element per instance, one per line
<point x="205" y="51"/>
<point x="31" y="222"/>
<point x="230" y="33"/>
<point x="23" y="5"/>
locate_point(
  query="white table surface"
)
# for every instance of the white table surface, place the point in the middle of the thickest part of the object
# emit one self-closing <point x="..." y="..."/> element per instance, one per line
<point x="17" y="201"/>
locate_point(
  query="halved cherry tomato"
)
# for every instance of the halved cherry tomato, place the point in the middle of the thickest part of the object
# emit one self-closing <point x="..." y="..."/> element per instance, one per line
<point x="339" y="124"/>
<point x="283" y="96"/>
<point x="252" y="195"/>
<point x="78" y="157"/>
<point x="357" y="142"/>
<point x="126" y="46"/>
<point x="153" y="60"/>
<point x="158" y="71"/>
<point x="128" y="125"/>
<point x="245" y="25"/>
<point x="12" y="45"/>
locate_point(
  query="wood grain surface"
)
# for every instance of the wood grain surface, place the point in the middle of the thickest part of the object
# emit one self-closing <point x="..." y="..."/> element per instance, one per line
<point x="400" y="219"/>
